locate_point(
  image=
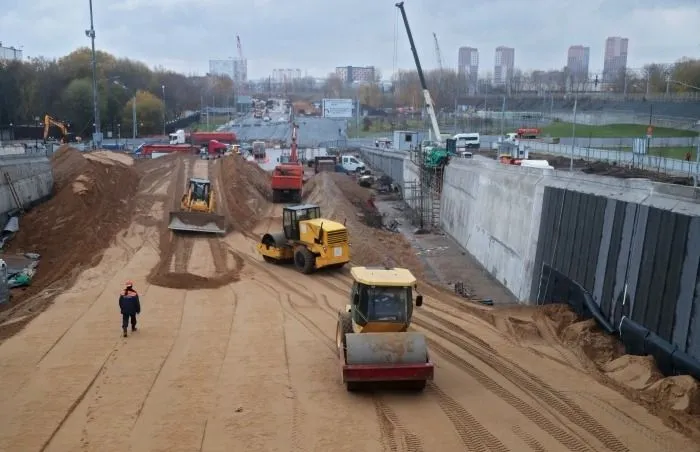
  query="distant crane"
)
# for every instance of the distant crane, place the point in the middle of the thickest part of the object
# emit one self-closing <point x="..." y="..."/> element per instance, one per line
<point x="438" y="54"/>
<point x="241" y="59"/>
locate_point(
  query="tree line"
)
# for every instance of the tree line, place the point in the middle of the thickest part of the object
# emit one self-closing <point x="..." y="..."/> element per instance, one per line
<point x="62" y="89"/>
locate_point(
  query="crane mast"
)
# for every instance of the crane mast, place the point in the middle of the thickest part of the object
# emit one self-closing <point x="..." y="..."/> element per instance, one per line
<point x="294" y="156"/>
<point x="438" y="54"/>
<point x="426" y="94"/>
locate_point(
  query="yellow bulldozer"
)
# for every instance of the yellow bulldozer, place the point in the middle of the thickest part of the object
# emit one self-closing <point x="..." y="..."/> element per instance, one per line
<point x="307" y="240"/>
<point x="372" y="336"/>
<point x="197" y="212"/>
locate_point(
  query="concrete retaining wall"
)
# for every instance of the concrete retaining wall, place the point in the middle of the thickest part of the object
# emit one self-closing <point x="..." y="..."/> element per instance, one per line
<point x="32" y="178"/>
<point x="494" y="211"/>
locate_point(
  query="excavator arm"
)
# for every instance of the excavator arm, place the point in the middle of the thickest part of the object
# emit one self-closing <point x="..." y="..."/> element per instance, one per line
<point x="49" y="121"/>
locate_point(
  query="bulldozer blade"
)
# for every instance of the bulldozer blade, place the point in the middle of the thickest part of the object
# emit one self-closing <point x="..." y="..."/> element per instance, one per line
<point x="197" y="222"/>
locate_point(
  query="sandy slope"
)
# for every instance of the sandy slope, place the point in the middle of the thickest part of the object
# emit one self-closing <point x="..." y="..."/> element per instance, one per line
<point x="246" y="362"/>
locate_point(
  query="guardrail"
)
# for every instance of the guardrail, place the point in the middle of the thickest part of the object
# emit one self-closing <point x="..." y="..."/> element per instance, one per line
<point x="650" y="162"/>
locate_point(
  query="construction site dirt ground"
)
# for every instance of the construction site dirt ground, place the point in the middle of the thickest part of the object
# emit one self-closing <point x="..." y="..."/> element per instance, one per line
<point x="236" y="354"/>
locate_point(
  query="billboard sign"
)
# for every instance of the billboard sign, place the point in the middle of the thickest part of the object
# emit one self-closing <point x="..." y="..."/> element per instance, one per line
<point x="337" y="108"/>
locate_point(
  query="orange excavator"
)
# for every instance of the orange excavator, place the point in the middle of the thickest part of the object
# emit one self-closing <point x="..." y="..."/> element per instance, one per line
<point x="288" y="176"/>
<point x="67" y="137"/>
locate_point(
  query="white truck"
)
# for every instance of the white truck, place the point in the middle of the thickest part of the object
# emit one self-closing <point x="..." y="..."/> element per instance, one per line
<point x="352" y="164"/>
<point x="178" y="137"/>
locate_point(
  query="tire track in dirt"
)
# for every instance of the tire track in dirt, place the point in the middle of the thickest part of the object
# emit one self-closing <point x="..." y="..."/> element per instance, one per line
<point x="184" y="244"/>
<point x="529" y="440"/>
<point x="183" y="397"/>
<point x="234" y="303"/>
<point x="475" y="436"/>
<point x="77" y="401"/>
<point x="527" y="381"/>
<point x="565" y="437"/>
<point x="390" y="424"/>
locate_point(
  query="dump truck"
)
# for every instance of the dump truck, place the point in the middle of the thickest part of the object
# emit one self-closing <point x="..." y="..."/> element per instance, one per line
<point x="197" y="212"/>
<point x="288" y="177"/>
<point x="307" y="240"/>
<point x="374" y="344"/>
<point x="324" y="164"/>
<point x="259" y="150"/>
<point x="287" y="182"/>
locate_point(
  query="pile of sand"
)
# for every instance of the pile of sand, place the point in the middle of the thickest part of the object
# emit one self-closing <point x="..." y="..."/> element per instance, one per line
<point x="246" y="187"/>
<point x="675" y="399"/>
<point x="70" y="231"/>
<point x="335" y="194"/>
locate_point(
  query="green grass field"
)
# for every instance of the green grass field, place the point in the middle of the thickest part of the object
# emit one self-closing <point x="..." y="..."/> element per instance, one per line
<point x="214" y="122"/>
<point x="669" y="152"/>
<point x="564" y="129"/>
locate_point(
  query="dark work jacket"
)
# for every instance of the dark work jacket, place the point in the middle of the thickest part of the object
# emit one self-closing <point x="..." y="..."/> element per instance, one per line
<point x="129" y="302"/>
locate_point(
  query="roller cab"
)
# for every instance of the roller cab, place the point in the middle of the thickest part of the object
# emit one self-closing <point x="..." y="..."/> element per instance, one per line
<point x="371" y="335"/>
<point x="307" y="240"/>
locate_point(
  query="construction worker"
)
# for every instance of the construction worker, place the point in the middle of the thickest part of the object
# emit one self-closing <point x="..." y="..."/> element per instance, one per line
<point x="130" y="305"/>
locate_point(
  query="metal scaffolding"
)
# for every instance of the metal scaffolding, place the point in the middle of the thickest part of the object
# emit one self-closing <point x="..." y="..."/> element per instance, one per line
<point x="422" y="195"/>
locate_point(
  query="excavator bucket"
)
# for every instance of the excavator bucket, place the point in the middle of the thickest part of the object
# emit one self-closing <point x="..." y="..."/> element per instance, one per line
<point x="377" y="357"/>
<point x="197" y="222"/>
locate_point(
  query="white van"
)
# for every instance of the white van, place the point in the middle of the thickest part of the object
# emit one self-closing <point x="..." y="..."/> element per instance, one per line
<point x="352" y="164"/>
<point x="467" y="141"/>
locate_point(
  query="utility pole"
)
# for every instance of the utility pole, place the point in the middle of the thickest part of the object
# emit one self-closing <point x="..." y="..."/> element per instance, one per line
<point x="573" y="135"/>
<point x="133" y="117"/>
<point x="163" y="88"/>
<point x="503" y="115"/>
<point x="97" y="136"/>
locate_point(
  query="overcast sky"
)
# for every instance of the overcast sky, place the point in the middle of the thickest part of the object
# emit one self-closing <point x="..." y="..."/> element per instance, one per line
<point x="318" y="35"/>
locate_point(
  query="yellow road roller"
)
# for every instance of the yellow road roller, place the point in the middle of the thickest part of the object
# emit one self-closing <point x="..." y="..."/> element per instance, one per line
<point x="307" y="240"/>
<point x="372" y="336"/>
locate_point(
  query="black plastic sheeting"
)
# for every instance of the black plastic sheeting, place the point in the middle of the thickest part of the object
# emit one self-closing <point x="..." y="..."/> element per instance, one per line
<point x="669" y="358"/>
<point x="556" y="287"/>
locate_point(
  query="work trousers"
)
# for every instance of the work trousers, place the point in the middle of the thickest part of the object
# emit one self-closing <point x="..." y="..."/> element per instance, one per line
<point x="125" y="320"/>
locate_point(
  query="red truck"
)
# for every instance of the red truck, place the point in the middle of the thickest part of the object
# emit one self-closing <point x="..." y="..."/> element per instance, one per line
<point x="160" y="149"/>
<point x="528" y="132"/>
<point x="200" y="138"/>
<point x="287" y="183"/>
<point x="213" y="150"/>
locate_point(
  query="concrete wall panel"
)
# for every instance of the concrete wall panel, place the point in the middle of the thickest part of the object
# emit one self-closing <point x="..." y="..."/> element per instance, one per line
<point x="677" y="256"/>
<point x="640" y="229"/>
<point x="32" y="179"/>
<point x="688" y="293"/>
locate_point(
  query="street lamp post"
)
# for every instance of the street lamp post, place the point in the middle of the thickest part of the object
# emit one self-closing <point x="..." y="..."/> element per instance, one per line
<point x="573" y="134"/>
<point x="163" y="88"/>
<point x="97" y="138"/>
<point x="119" y="135"/>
